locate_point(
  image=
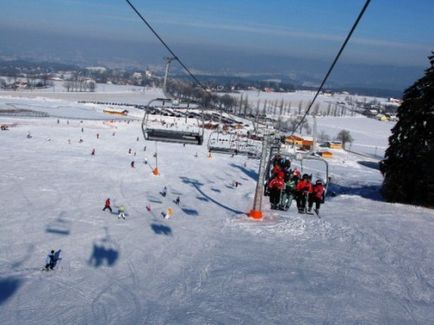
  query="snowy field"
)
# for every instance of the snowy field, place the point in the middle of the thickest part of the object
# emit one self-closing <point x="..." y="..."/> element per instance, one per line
<point x="107" y="93"/>
<point x="370" y="135"/>
<point x="364" y="262"/>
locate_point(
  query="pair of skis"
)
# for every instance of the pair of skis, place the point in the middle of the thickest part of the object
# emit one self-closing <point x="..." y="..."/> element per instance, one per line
<point x="315" y="212"/>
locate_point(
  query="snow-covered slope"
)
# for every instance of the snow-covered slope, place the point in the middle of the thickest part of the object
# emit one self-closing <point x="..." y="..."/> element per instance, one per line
<point x="364" y="262"/>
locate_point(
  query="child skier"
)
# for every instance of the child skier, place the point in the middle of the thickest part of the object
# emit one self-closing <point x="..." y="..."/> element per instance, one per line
<point x="164" y="191"/>
<point x="121" y="212"/>
<point x="316" y="196"/>
<point x="289" y="192"/>
<point x="276" y="186"/>
<point x="303" y="188"/>
<point x="107" y="205"/>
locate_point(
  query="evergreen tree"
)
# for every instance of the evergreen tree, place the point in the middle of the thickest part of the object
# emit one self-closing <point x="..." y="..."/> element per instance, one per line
<point x="408" y="166"/>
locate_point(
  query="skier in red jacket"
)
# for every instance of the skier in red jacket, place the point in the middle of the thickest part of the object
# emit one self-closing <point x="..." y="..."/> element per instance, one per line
<point x="107" y="205"/>
<point x="276" y="186"/>
<point x="303" y="189"/>
<point x="316" y="195"/>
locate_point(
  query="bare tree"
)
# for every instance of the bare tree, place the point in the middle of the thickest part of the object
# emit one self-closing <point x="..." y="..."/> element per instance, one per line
<point x="67" y="85"/>
<point x="344" y="136"/>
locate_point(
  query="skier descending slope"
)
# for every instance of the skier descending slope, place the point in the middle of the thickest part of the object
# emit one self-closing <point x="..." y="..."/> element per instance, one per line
<point x="52" y="260"/>
<point x="107" y="205"/>
<point x="121" y="212"/>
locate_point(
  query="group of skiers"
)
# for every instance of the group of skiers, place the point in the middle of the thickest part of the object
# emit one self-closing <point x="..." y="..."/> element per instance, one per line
<point x="286" y="184"/>
<point x="121" y="209"/>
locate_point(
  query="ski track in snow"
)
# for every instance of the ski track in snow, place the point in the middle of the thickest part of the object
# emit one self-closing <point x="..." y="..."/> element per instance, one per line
<point x="364" y="261"/>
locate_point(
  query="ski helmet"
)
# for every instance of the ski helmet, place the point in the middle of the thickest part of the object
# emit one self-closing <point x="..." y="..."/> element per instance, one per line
<point x="305" y="176"/>
<point x="319" y="181"/>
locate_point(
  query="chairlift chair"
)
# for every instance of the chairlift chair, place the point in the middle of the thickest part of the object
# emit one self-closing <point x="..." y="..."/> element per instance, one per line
<point x="165" y="132"/>
<point x="230" y="143"/>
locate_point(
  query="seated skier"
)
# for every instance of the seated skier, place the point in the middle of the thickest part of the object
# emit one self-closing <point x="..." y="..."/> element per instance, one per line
<point x="316" y="196"/>
<point x="289" y="191"/>
<point x="276" y="186"/>
<point x="303" y="188"/>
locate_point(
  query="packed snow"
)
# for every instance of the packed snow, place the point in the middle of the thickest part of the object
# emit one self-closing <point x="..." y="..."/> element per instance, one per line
<point x="364" y="261"/>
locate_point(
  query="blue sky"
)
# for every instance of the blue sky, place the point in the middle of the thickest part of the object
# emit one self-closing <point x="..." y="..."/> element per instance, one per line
<point x="400" y="32"/>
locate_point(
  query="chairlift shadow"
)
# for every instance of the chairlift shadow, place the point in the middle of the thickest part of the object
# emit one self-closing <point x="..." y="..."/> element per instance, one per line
<point x="8" y="287"/>
<point x="190" y="212"/>
<point x="160" y="229"/>
<point x="197" y="185"/>
<point x="215" y="190"/>
<point x="248" y="172"/>
<point x="154" y="200"/>
<point x="105" y="252"/>
<point x="60" y="226"/>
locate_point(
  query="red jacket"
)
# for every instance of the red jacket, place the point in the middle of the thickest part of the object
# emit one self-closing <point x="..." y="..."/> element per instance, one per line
<point x="276" y="169"/>
<point x="304" y="186"/>
<point x="107" y="202"/>
<point x="278" y="183"/>
<point x="318" y="191"/>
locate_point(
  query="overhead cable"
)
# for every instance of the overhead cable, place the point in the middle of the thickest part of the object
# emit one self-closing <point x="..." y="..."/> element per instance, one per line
<point x="359" y="17"/>
<point x="166" y="46"/>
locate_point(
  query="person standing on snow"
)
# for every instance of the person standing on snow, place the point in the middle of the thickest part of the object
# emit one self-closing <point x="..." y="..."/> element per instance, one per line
<point x="107" y="205"/>
<point x="121" y="212"/>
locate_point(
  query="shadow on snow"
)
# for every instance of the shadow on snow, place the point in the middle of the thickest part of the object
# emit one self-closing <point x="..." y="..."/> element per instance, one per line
<point x="8" y="286"/>
<point x="105" y="252"/>
<point x="371" y="192"/>
<point x="60" y="226"/>
<point x="190" y="212"/>
<point x="248" y="172"/>
<point x="369" y="164"/>
<point x="196" y="184"/>
<point x="160" y="229"/>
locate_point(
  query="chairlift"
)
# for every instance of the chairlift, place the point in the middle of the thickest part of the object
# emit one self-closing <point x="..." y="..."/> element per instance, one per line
<point x="156" y="128"/>
<point x="231" y="143"/>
